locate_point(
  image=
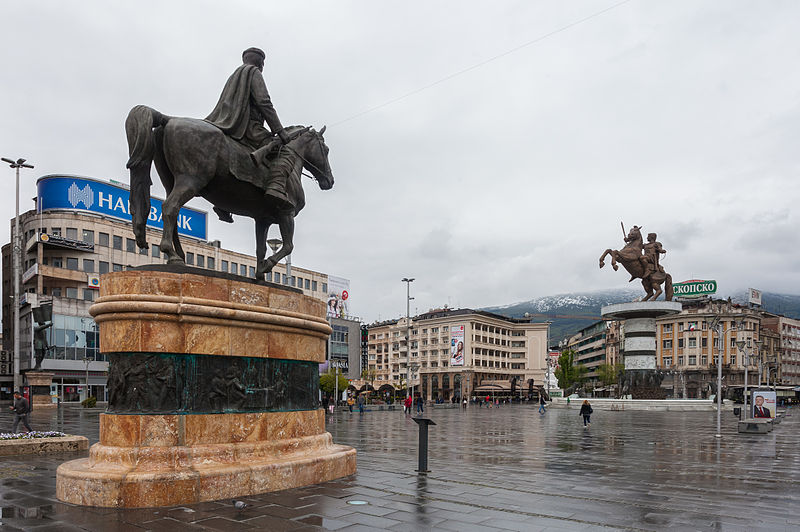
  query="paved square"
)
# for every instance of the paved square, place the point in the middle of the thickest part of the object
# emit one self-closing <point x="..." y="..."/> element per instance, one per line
<point x="506" y="468"/>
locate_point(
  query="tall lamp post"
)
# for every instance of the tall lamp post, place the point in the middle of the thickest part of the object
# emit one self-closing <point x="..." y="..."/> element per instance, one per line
<point x="16" y="249"/>
<point x="275" y="244"/>
<point x="716" y="325"/>
<point x="742" y="345"/>
<point x="408" y="281"/>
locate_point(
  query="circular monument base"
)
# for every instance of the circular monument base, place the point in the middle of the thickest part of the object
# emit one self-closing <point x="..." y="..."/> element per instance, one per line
<point x="642" y="379"/>
<point x="213" y="383"/>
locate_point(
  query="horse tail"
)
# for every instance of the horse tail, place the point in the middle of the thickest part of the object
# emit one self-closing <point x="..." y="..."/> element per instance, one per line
<point x="668" y="292"/>
<point x="141" y="147"/>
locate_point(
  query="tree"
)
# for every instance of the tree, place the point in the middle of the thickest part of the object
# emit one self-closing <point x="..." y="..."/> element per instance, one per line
<point x="609" y="373"/>
<point x="369" y="374"/>
<point x="567" y="372"/>
<point x="327" y="382"/>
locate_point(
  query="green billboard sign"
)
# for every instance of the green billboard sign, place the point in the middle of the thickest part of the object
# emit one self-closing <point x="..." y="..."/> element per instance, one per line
<point x="694" y="288"/>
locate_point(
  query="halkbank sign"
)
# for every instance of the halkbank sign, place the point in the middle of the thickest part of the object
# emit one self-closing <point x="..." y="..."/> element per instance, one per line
<point x="695" y="288"/>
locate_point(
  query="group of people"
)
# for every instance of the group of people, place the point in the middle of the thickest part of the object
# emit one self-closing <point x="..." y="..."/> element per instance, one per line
<point x="418" y="401"/>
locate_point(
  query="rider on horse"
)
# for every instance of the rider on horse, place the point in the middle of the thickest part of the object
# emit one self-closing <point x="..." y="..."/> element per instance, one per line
<point x="650" y="260"/>
<point x="240" y="113"/>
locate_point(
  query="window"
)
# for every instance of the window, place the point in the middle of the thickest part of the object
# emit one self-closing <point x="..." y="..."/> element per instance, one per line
<point x="704" y="360"/>
<point x="692" y="360"/>
<point x="130" y="245"/>
<point x="269" y="277"/>
<point x="211" y="265"/>
<point x="667" y="344"/>
<point x="308" y="283"/>
<point x="117" y="242"/>
<point x="116" y="267"/>
<point x="190" y="258"/>
<point x="680" y="343"/>
<point x="692" y="341"/>
<point x="142" y="251"/>
<point x="325" y="287"/>
<point x="314" y="286"/>
<point x="88" y="265"/>
<point x="103" y="267"/>
<point x="680" y="327"/>
<point x="88" y="236"/>
<point x="58" y="262"/>
<point x="72" y="264"/>
<point x="243" y="270"/>
<point x="733" y="360"/>
<point x="680" y="360"/>
<point x="224" y="267"/>
<point x="704" y="342"/>
<point x="668" y="328"/>
<point x="252" y="271"/>
<point x="55" y="231"/>
<point x="156" y="251"/>
<point x="667" y="361"/>
<point x="72" y="293"/>
<point x="102" y="239"/>
<point x="201" y="261"/>
<point x="56" y="291"/>
<point x="88" y="294"/>
<point x="234" y="267"/>
<point x="72" y="233"/>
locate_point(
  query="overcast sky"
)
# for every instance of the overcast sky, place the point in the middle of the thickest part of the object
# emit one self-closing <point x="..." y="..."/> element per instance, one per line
<point x="497" y="185"/>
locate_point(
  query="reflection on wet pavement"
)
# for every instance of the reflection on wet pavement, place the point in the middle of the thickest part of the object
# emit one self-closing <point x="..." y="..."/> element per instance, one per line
<point x="507" y="468"/>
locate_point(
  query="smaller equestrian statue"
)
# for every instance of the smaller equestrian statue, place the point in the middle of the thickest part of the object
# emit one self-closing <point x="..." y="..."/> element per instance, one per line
<point x="642" y="262"/>
<point x="230" y="159"/>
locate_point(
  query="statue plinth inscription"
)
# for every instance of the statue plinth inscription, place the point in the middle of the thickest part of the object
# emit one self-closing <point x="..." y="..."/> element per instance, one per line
<point x="212" y="392"/>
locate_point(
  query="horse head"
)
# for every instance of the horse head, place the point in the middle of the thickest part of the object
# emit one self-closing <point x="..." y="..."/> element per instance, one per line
<point x="312" y="149"/>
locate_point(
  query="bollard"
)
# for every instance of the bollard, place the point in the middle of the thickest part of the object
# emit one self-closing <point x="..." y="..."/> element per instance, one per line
<point x="423" y="443"/>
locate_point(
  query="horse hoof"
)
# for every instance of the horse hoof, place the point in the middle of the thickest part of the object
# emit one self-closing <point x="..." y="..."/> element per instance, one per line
<point x="616" y="267"/>
<point x="175" y="260"/>
<point x="602" y="263"/>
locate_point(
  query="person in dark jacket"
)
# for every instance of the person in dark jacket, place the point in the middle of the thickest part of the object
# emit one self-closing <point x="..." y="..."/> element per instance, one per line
<point x="542" y="404"/>
<point x="586" y="411"/>
<point x="21" y="409"/>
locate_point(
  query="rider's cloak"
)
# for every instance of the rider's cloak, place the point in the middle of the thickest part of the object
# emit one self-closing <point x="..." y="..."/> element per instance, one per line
<point x="243" y="107"/>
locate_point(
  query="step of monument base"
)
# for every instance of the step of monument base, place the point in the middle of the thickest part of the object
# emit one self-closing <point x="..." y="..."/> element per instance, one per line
<point x="115" y="485"/>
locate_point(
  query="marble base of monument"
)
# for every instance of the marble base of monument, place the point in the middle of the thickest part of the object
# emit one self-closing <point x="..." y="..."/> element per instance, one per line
<point x="213" y="383"/>
<point x="40" y="382"/>
<point x="642" y="379"/>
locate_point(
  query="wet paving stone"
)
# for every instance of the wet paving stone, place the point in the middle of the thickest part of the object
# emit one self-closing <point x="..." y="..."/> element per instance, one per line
<point x="507" y="468"/>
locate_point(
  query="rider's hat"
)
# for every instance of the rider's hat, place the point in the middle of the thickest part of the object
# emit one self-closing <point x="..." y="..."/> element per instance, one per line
<point x="254" y="50"/>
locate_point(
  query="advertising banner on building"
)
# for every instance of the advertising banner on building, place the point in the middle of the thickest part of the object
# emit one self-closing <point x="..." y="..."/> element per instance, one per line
<point x="89" y="195"/>
<point x="694" y="288"/>
<point x="763" y="404"/>
<point x="457" y="345"/>
<point x="755" y="296"/>
<point x="338" y="297"/>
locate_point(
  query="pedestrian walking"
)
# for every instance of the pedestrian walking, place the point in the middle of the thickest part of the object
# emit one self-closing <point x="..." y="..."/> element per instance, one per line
<point x="21" y="409"/>
<point x="407" y="405"/>
<point x="464" y="404"/>
<point x="360" y="404"/>
<point x="542" y="404"/>
<point x="420" y="406"/>
<point x="586" y="411"/>
<point x="350" y="403"/>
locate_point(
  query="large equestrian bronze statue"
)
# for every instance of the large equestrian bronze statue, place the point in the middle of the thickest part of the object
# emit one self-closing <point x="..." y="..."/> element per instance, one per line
<point x="195" y="158"/>
<point x="642" y="262"/>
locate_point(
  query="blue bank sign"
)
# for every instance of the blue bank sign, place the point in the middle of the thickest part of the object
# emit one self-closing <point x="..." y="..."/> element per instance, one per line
<point x="88" y="195"/>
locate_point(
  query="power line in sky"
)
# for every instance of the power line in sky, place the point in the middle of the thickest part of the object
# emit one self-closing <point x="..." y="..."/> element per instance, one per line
<point x="479" y="64"/>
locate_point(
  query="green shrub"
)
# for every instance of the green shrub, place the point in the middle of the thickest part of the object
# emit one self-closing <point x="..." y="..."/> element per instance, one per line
<point x="89" y="402"/>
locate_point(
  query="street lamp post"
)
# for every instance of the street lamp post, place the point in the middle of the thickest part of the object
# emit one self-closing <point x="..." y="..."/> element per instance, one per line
<point x="409" y="389"/>
<point x="716" y="325"/>
<point x="275" y="244"/>
<point x="16" y="249"/>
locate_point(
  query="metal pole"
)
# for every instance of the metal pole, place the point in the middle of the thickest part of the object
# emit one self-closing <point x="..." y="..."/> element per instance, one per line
<point x="88" y="394"/>
<point x="16" y="249"/>
<point x="746" y="362"/>
<point x="289" y="269"/>
<point x="409" y="388"/>
<point x="719" y="380"/>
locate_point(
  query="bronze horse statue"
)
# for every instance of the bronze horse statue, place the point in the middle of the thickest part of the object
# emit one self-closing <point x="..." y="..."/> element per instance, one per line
<point x="633" y="259"/>
<point x="195" y="158"/>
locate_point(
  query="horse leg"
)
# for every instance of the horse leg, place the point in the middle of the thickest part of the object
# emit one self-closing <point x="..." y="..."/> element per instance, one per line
<point x="262" y="266"/>
<point x="286" y="224"/>
<point x="647" y="288"/>
<point x="181" y="193"/>
<point x="603" y="256"/>
<point x="657" y="287"/>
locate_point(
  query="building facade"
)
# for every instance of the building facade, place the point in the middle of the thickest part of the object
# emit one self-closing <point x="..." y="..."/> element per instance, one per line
<point x="69" y="245"/>
<point x="452" y="351"/>
<point x="788" y="348"/>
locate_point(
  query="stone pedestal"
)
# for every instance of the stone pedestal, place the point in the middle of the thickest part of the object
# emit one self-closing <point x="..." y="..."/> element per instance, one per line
<point x="213" y="386"/>
<point x="40" y="382"/>
<point x="642" y="379"/>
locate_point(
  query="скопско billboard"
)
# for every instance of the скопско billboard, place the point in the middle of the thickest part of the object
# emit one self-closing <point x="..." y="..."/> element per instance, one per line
<point x="58" y="192"/>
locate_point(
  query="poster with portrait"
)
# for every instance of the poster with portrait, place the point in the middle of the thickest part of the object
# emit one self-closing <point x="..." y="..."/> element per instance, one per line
<point x="763" y="404"/>
<point x="457" y="345"/>
<point x="338" y="297"/>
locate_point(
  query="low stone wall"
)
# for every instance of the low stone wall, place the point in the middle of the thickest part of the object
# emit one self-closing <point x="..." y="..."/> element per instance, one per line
<point x="663" y="405"/>
<point x="63" y="444"/>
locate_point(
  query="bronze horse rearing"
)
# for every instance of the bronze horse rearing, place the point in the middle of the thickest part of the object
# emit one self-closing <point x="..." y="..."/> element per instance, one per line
<point x="633" y="259"/>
